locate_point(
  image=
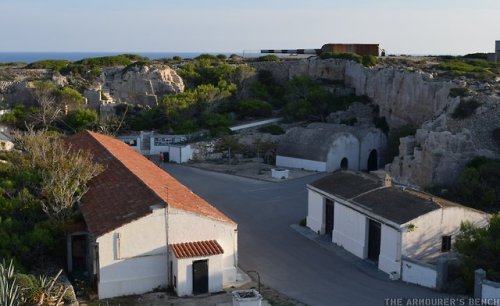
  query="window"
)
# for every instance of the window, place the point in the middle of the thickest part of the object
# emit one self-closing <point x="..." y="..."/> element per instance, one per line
<point x="445" y="243"/>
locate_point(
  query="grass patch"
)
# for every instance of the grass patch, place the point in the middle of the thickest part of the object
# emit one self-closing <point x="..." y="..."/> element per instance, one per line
<point x="477" y="68"/>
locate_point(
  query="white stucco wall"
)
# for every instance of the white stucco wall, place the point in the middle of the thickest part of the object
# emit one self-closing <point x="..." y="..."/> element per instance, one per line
<point x="425" y="240"/>
<point x="373" y="140"/>
<point x="315" y="212"/>
<point x="188" y="227"/>
<point x="298" y="163"/>
<point x="390" y="250"/>
<point x="344" y="146"/>
<point x="350" y="230"/>
<point x="419" y="273"/>
<point x="491" y="290"/>
<point x="138" y="263"/>
<point x="184" y="274"/>
<point x="180" y="154"/>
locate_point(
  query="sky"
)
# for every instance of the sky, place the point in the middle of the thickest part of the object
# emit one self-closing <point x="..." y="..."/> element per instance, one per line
<point x="399" y="26"/>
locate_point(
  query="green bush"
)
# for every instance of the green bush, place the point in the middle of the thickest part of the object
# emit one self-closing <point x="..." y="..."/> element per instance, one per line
<point x="176" y="58"/>
<point x="254" y="108"/>
<point x="206" y="56"/>
<point x="483" y="56"/>
<point x="82" y="119"/>
<point x="56" y="65"/>
<point x="369" y="60"/>
<point x="459" y="92"/>
<point x="221" y="57"/>
<point x="110" y="61"/>
<point x="348" y="56"/>
<point x="465" y="109"/>
<point x="272" y="129"/>
<point x="268" y="58"/>
<point x="479" y="248"/>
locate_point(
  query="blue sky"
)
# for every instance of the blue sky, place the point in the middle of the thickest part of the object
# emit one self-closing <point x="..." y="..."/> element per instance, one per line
<point x="399" y="26"/>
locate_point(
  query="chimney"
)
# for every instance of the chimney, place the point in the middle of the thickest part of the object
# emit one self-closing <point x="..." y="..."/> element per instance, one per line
<point x="387" y="180"/>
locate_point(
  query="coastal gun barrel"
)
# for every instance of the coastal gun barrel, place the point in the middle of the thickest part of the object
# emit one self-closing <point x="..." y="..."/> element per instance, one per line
<point x="293" y="51"/>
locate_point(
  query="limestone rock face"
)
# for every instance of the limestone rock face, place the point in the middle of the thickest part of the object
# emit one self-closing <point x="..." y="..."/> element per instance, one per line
<point x="403" y="97"/>
<point x="141" y="84"/>
<point x="442" y="145"/>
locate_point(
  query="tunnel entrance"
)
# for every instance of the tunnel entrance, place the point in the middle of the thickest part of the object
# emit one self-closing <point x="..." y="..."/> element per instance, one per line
<point x="344" y="163"/>
<point x="372" y="161"/>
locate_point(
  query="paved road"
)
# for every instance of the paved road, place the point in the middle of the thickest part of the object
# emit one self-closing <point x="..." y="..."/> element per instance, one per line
<point x="286" y="260"/>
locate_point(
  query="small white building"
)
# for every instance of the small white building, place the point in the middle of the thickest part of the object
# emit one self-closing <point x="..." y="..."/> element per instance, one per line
<point x="374" y="220"/>
<point x="330" y="147"/>
<point x="169" y="146"/>
<point x="145" y="230"/>
<point x="6" y="143"/>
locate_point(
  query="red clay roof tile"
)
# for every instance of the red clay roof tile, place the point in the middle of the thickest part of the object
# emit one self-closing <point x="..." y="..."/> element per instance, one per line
<point x="196" y="249"/>
<point x="129" y="185"/>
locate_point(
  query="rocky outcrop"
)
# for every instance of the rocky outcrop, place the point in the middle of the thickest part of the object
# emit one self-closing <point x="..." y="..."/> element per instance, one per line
<point x="141" y="84"/>
<point x="442" y="145"/>
<point x="15" y="84"/>
<point x="441" y="148"/>
<point x="403" y="97"/>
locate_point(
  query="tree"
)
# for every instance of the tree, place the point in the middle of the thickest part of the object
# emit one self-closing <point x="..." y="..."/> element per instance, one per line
<point x="479" y="248"/>
<point x="229" y="143"/>
<point x="82" y="118"/>
<point x="64" y="171"/>
<point x="49" y="110"/>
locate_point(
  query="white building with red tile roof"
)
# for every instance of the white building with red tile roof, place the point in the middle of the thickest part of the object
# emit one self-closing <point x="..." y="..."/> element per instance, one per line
<point x="146" y="230"/>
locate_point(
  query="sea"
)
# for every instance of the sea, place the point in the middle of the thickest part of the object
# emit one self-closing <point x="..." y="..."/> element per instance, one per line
<point x="29" y="57"/>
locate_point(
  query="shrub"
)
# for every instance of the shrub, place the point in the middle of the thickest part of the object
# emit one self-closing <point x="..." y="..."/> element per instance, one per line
<point x="478" y="55"/>
<point x="254" y="108"/>
<point x="465" y="109"/>
<point x="222" y="57"/>
<point x="206" y="56"/>
<point x="268" y="58"/>
<point x="176" y="58"/>
<point x="459" y="92"/>
<point x="369" y="60"/>
<point x="272" y="129"/>
<point x="348" y="56"/>
<point x="56" y="65"/>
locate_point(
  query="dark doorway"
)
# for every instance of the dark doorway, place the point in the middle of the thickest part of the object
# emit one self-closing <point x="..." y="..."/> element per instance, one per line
<point x="200" y="276"/>
<point x="344" y="163"/>
<point x="329" y="216"/>
<point x="372" y="161"/>
<point x="79" y="256"/>
<point x="374" y="234"/>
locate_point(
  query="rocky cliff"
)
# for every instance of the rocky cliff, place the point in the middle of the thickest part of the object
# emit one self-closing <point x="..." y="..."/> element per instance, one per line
<point x="139" y="84"/>
<point x="442" y="145"/>
<point x="142" y="84"/>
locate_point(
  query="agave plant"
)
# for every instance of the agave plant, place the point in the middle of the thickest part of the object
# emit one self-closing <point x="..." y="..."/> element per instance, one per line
<point x="10" y="293"/>
<point x="50" y="294"/>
